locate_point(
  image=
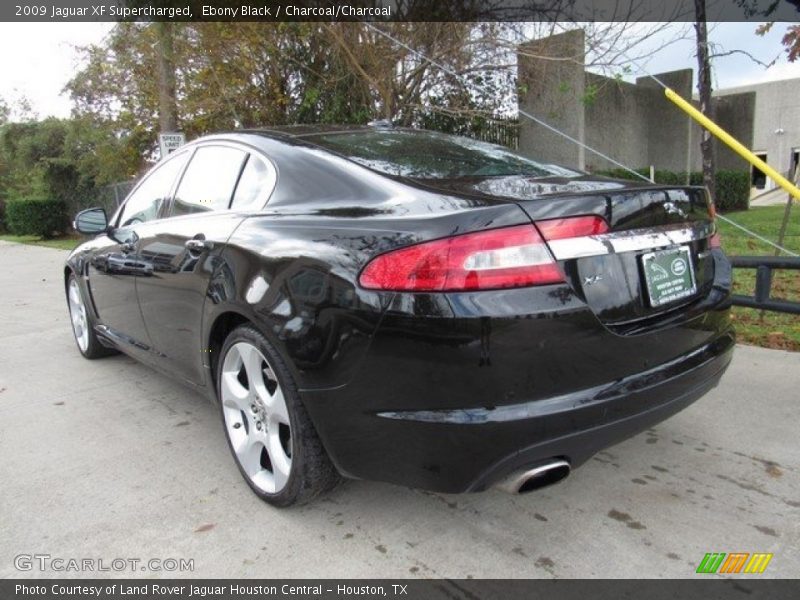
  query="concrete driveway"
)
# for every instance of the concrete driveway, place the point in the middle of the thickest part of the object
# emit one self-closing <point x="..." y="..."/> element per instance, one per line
<point x="106" y="459"/>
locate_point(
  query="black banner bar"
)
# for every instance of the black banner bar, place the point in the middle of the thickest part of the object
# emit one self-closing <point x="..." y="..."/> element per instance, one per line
<point x="271" y="11"/>
<point x="707" y="587"/>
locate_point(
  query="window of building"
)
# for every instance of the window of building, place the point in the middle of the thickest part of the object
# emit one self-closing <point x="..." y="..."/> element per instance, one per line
<point x="757" y="177"/>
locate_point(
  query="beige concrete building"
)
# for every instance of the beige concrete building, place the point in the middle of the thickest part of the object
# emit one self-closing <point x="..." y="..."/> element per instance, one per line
<point x="635" y="124"/>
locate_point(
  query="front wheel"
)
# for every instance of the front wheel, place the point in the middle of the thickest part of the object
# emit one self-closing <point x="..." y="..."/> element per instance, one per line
<point x="269" y="432"/>
<point x="83" y="324"/>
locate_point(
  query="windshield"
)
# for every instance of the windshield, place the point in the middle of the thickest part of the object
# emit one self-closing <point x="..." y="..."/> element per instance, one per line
<point x="430" y="155"/>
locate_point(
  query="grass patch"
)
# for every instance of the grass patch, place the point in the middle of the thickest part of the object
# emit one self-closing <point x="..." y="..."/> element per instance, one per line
<point x="61" y="243"/>
<point x="762" y="328"/>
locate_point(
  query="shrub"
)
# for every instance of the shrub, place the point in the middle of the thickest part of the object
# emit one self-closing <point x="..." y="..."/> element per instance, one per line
<point x="36" y="216"/>
<point x="733" y="187"/>
<point x="733" y="190"/>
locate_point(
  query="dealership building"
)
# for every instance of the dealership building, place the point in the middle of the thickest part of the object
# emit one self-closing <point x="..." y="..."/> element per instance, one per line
<point x="635" y="124"/>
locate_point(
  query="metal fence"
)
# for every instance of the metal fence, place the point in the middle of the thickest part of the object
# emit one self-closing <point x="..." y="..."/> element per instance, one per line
<point x="502" y="131"/>
<point x="764" y="266"/>
<point x="110" y="196"/>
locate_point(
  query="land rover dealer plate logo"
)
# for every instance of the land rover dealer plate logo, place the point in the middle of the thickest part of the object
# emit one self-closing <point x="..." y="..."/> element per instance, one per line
<point x="678" y="267"/>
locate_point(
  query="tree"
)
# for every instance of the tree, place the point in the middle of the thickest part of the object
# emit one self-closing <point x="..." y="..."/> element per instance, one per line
<point x="167" y="109"/>
<point x="704" y="92"/>
<point x="57" y="159"/>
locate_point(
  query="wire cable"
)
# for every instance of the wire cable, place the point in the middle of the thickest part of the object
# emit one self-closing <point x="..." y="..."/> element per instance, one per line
<point x="565" y="135"/>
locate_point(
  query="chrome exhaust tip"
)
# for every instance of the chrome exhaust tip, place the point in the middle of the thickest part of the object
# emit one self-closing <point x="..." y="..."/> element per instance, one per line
<point x="528" y="480"/>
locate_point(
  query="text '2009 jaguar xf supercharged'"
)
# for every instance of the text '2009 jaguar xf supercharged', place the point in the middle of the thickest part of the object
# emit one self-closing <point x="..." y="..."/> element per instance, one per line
<point x="406" y="306"/>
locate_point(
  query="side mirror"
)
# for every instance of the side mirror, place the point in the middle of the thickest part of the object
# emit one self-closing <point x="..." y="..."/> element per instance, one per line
<point x="91" y="221"/>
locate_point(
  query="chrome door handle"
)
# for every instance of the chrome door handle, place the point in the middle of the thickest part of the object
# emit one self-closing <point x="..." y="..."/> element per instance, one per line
<point x="196" y="246"/>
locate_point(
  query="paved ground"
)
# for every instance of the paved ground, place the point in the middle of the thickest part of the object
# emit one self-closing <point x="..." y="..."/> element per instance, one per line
<point x="775" y="197"/>
<point x="107" y="459"/>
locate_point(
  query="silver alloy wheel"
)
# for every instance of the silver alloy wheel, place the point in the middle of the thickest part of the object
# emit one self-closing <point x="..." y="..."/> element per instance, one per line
<point x="256" y="417"/>
<point x="77" y="312"/>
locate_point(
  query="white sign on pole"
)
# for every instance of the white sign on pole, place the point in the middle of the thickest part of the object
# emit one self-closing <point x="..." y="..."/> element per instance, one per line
<point x="169" y="142"/>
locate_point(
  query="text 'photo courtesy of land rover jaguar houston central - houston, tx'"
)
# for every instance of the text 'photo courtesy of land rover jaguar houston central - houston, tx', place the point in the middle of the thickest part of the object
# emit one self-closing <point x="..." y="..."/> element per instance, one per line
<point x="406" y="306"/>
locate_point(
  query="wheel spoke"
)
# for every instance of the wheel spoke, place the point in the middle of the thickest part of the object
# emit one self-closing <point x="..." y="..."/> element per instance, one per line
<point x="74" y="294"/>
<point x="252" y="360"/>
<point x="234" y="392"/>
<point x="251" y="455"/>
<point x="276" y="407"/>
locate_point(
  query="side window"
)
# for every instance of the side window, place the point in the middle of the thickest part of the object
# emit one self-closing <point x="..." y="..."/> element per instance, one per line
<point x="254" y="185"/>
<point x="208" y="181"/>
<point x="146" y="201"/>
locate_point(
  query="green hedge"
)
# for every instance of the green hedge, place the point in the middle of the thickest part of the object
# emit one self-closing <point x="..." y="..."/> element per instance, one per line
<point x="733" y="187"/>
<point x="36" y="216"/>
<point x="733" y="190"/>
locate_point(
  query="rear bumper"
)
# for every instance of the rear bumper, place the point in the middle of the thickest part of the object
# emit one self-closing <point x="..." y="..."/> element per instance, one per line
<point x="455" y="450"/>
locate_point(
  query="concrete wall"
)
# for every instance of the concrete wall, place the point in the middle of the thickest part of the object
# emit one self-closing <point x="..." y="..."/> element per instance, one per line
<point x="551" y="80"/>
<point x="634" y="123"/>
<point x="616" y="117"/>
<point x="735" y="113"/>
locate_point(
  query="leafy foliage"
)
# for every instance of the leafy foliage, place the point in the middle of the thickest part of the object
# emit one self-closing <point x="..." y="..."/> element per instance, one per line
<point x="64" y="160"/>
<point x="733" y="190"/>
<point x="36" y="216"/>
<point x="267" y="74"/>
<point x="790" y="40"/>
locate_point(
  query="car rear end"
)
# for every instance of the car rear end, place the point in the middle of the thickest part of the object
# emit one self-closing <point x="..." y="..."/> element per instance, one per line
<point x="508" y="355"/>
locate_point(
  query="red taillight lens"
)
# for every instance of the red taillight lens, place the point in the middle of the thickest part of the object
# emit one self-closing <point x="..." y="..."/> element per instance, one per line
<point x="715" y="241"/>
<point x="495" y="259"/>
<point x="560" y="229"/>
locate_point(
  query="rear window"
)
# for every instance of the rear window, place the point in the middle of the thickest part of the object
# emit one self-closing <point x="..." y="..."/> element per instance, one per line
<point x="430" y="155"/>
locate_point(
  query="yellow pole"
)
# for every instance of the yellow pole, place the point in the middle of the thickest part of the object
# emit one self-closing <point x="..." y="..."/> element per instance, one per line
<point x="733" y="144"/>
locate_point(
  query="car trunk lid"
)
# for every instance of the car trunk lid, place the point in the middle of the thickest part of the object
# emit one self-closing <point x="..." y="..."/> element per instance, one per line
<point x="653" y="259"/>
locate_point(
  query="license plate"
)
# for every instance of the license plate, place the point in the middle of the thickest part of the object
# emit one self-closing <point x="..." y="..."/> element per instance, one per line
<point x="669" y="275"/>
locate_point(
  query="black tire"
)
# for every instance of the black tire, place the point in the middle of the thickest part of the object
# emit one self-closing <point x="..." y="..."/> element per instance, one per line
<point x="93" y="347"/>
<point x="311" y="472"/>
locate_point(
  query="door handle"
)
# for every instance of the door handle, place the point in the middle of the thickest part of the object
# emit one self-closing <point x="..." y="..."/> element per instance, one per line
<point x="197" y="246"/>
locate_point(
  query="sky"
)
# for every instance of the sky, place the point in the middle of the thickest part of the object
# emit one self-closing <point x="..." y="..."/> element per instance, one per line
<point x="42" y="57"/>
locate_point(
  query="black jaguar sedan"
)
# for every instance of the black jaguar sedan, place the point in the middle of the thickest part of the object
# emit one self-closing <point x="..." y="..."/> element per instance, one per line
<point x="406" y="306"/>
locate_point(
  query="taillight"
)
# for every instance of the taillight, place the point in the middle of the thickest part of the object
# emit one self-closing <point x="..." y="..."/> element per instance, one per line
<point x="494" y="259"/>
<point x="571" y="227"/>
<point x="715" y="241"/>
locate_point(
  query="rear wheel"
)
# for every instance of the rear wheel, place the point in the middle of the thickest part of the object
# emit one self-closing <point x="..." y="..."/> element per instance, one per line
<point x="83" y="324"/>
<point x="269" y="432"/>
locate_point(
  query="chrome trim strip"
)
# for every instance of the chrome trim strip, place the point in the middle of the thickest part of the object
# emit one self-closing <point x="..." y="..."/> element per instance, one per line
<point x="632" y="240"/>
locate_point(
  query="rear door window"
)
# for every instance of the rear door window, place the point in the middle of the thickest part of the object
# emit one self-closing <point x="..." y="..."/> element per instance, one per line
<point x="254" y="185"/>
<point x="208" y="182"/>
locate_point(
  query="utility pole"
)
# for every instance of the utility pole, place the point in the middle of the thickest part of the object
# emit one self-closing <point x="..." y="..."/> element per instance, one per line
<point x="704" y="92"/>
<point x="167" y="110"/>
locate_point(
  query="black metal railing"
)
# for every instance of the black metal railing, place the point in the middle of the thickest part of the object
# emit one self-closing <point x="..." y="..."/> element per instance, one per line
<point x="764" y="266"/>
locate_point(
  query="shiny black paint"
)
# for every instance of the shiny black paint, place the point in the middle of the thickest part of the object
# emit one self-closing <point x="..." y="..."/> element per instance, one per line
<point x="439" y="391"/>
